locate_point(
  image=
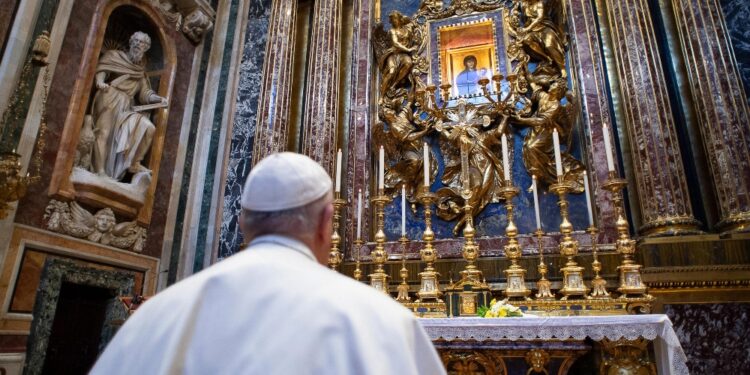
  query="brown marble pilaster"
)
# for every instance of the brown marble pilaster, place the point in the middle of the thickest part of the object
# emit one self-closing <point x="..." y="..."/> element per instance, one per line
<point x="660" y="176"/>
<point x="587" y="63"/>
<point x="720" y="103"/>
<point x="359" y="150"/>
<point x="320" y="121"/>
<point x="275" y="91"/>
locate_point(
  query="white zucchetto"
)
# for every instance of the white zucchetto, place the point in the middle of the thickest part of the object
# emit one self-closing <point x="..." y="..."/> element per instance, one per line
<point x="284" y="181"/>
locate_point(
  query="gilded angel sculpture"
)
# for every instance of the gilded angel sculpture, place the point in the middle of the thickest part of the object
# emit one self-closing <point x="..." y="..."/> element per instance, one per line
<point x="396" y="51"/>
<point x="542" y="35"/>
<point x="472" y="135"/>
<point x="538" y="149"/>
<point x="402" y="139"/>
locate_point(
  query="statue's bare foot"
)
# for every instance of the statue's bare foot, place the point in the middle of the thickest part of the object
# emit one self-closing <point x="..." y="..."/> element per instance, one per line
<point x="138" y="168"/>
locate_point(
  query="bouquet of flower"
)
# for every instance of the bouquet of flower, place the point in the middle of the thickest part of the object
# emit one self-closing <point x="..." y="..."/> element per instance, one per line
<point x="499" y="309"/>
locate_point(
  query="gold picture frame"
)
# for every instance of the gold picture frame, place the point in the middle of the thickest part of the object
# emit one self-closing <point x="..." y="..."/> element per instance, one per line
<point x="467" y="52"/>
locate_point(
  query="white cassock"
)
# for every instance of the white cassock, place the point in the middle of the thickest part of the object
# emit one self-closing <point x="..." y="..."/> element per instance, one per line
<point x="271" y="309"/>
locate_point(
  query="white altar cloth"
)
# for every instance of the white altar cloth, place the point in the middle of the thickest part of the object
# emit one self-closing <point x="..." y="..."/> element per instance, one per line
<point x="670" y="358"/>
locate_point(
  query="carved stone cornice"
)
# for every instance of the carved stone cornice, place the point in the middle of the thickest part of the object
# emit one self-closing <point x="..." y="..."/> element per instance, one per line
<point x="721" y="276"/>
<point x="435" y="9"/>
<point x="193" y="17"/>
<point x="720" y="284"/>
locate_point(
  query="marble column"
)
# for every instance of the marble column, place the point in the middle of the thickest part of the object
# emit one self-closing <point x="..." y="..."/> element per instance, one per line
<point x="320" y="121"/>
<point x="720" y="103"/>
<point x="276" y="85"/>
<point x="660" y="175"/>
<point x="587" y="63"/>
<point x="358" y="162"/>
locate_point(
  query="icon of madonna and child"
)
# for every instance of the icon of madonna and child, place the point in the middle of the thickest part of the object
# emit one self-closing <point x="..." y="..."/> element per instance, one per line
<point x="466" y="83"/>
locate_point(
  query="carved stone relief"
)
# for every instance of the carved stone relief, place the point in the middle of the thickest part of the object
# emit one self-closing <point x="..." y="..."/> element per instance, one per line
<point x="100" y="227"/>
<point x="193" y="17"/>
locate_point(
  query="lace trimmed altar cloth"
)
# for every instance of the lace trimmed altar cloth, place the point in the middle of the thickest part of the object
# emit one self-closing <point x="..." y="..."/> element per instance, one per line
<point x="670" y="358"/>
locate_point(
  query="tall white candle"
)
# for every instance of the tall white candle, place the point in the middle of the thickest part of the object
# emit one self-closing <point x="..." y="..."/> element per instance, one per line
<point x="506" y="163"/>
<point x="536" y="202"/>
<point x="558" y="159"/>
<point x="381" y="169"/>
<point x="359" y="215"/>
<point x="403" y="210"/>
<point x="426" y="159"/>
<point x="588" y="198"/>
<point x="338" y="171"/>
<point x="608" y="149"/>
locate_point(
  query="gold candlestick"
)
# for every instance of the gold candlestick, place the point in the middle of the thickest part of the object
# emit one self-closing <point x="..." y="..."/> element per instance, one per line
<point x="630" y="272"/>
<point x="543" y="285"/>
<point x="470" y="250"/>
<point x="403" y="288"/>
<point x="598" y="284"/>
<point x="572" y="273"/>
<point x="334" y="257"/>
<point x="429" y="288"/>
<point x="515" y="274"/>
<point x="379" y="279"/>
<point x="357" y="270"/>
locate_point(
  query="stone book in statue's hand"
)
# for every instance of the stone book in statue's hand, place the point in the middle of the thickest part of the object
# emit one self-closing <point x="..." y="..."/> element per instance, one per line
<point x="146" y="107"/>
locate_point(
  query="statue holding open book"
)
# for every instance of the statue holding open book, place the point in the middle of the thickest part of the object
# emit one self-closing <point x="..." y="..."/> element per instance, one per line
<point x="118" y="132"/>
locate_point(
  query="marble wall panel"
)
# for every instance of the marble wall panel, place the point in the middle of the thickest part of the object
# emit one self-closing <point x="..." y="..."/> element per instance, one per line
<point x="32" y="207"/>
<point x="7" y="14"/>
<point x="713" y="336"/>
<point x="243" y="130"/>
<point x="737" y="17"/>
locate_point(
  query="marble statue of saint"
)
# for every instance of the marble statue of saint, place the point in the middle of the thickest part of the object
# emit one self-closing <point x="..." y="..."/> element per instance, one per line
<point x="466" y="82"/>
<point x="122" y="135"/>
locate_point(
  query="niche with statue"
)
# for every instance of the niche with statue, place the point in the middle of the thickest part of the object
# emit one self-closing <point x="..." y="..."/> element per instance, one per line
<point x="113" y="140"/>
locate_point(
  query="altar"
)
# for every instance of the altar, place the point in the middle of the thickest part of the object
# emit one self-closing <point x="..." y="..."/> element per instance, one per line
<point x="628" y="344"/>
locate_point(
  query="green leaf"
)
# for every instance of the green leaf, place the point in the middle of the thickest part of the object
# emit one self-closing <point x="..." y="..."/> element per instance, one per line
<point x="482" y="311"/>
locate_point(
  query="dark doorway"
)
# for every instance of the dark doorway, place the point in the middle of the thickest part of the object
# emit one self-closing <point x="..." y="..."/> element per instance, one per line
<point x="77" y="329"/>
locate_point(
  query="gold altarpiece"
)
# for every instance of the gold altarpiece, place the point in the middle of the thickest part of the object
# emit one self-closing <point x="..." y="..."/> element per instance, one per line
<point x="455" y="86"/>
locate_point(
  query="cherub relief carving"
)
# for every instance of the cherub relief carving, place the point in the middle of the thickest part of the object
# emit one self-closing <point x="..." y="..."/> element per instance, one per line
<point x="101" y="227"/>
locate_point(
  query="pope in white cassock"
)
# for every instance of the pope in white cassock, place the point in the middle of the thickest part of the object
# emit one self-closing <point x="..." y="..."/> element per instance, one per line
<point x="274" y="308"/>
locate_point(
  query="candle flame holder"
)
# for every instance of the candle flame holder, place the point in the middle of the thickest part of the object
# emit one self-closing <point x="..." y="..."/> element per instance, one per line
<point x="598" y="284"/>
<point x="572" y="273"/>
<point x="630" y="272"/>
<point x="335" y="256"/>
<point x="543" y="286"/>
<point x="515" y="274"/>
<point x="403" y="288"/>
<point x="357" y="270"/>
<point x="429" y="289"/>
<point x="379" y="279"/>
